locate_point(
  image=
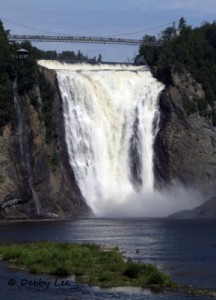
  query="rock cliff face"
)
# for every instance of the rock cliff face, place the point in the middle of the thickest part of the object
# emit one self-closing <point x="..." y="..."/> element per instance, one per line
<point x="185" y="146"/>
<point x="35" y="178"/>
<point x="206" y="210"/>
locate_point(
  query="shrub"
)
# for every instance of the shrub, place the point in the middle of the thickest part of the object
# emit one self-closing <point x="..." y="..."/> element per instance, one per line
<point x="55" y="159"/>
<point x="132" y="270"/>
<point x="202" y="104"/>
<point x="89" y="263"/>
<point x="158" y="278"/>
<point x="189" y="106"/>
<point x="2" y="178"/>
<point x="61" y="271"/>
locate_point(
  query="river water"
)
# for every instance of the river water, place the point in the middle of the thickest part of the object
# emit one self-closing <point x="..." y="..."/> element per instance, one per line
<point x="186" y="249"/>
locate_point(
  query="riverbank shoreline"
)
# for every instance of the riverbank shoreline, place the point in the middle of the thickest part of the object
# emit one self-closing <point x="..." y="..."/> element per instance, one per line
<point x="159" y="282"/>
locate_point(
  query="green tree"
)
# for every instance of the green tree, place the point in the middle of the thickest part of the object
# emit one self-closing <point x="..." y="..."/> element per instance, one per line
<point x="99" y="58"/>
<point x="6" y="75"/>
<point x="167" y="34"/>
<point x="182" y="24"/>
<point x="193" y="50"/>
<point x="26" y="75"/>
<point x="6" y="99"/>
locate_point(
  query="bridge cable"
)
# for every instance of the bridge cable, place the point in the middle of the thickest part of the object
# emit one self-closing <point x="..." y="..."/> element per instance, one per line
<point x="51" y="32"/>
<point x="148" y="29"/>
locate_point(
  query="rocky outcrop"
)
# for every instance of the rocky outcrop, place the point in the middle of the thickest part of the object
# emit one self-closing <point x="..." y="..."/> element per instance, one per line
<point x="206" y="210"/>
<point x="8" y="178"/>
<point x="48" y="189"/>
<point x="185" y="146"/>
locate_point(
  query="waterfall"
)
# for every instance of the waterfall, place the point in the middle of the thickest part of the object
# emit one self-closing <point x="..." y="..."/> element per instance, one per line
<point x="24" y="151"/>
<point x="111" y="118"/>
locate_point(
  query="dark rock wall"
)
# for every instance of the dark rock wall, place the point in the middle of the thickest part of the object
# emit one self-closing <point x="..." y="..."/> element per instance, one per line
<point x="53" y="186"/>
<point x="185" y="147"/>
<point x="185" y="152"/>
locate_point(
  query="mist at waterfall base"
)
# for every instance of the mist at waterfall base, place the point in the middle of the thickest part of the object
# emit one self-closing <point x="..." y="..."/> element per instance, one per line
<point x="154" y="203"/>
<point x="111" y="119"/>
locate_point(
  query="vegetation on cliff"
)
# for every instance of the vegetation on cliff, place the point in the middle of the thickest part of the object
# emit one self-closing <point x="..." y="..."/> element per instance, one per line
<point x="6" y="75"/>
<point x="90" y="264"/>
<point x="193" y="50"/>
<point x="29" y="77"/>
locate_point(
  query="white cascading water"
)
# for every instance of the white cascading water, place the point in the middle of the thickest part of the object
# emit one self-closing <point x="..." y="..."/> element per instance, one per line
<point x="111" y="118"/>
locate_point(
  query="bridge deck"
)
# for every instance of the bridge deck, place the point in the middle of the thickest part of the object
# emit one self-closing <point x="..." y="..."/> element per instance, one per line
<point x="81" y="39"/>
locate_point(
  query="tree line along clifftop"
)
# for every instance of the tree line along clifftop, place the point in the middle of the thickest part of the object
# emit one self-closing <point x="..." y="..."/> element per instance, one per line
<point x="194" y="49"/>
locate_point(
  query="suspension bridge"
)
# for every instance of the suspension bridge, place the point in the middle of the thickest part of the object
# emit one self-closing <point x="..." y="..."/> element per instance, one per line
<point x="82" y="39"/>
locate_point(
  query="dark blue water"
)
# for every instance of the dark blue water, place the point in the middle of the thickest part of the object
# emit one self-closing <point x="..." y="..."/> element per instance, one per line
<point x="186" y="249"/>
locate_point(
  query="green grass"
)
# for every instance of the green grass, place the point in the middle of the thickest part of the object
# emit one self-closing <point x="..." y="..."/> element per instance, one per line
<point x="90" y="264"/>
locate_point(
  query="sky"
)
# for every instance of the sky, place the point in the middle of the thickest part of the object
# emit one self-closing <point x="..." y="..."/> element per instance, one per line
<point x="101" y="18"/>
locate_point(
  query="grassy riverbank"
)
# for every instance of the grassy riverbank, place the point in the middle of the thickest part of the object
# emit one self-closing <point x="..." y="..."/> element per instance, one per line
<point x="90" y="264"/>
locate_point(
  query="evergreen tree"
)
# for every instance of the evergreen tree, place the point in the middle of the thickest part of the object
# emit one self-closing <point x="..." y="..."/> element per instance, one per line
<point x="193" y="50"/>
<point x="182" y="24"/>
<point x="167" y="34"/>
<point x="99" y="58"/>
<point x="6" y="75"/>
